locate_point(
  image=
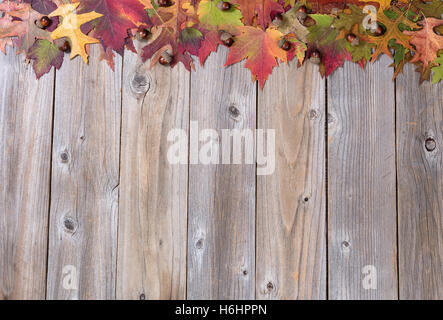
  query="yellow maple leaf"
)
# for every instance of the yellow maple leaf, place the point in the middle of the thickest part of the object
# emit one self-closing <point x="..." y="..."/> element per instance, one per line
<point x="70" y="28"/>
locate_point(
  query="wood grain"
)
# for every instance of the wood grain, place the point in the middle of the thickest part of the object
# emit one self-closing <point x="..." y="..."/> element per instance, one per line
<point x="420" y="186"/>
<point x="25" y="153"/>
<point x="221" y="233"/>
<point x="291" y="202"/>
<point x="85" y="179"/>
<point x="153" y="192"/>
<point x="362" y="181"/>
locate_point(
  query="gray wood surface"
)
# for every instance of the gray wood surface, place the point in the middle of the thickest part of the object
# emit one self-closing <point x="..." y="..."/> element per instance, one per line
<point x="420" y="187"/>
<point x="153" y="192"/>
<point x="221" y="215"/>
<point x="362" y="182"/>
<point x="85" y="179"/>
<point x="135" y="226"/>
<point x="291" y="203"/>
<point x="25" y="161"/>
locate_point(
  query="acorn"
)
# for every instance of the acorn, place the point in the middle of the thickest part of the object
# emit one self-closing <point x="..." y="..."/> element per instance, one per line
<point x="284" y="44"/>
<point x="164" y="3"/>
<point x="378" y="31"/>
<point x="224" y="5"/>
<point x="226" y="38"/>
<point x="302" y="9"/>
<point x="352" y="39"/>
<point x="142" y="34"/>
<point x="65" y="47"/>
<point x="315" y="57"/>
<point x="278" y="20"/>
<point x="165" y="59"/>
<point x="44" y="22"/>
<point x="302" y="13"/>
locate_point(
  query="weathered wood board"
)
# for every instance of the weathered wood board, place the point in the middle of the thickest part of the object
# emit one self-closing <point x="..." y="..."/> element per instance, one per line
<point x="362" y="183"/>
<point x="353" y="209"/>
<point x="291" y="202"/>
<point x="85" y="180"/>
<point x="221" y="215"/>
<point x="25" y="165"/>
<point x="420" y="187"/>
<point x="153" y="191"/>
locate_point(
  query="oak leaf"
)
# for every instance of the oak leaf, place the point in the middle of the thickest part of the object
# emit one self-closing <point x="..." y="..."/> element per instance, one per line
<point x="426" y="41"/>
<point x="70" y="28"/>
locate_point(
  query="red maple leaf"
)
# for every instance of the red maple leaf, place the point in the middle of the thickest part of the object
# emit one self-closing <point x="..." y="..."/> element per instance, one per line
<point x="118" y="17"/>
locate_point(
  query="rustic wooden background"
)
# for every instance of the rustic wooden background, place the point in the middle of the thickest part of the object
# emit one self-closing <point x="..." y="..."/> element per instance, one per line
<point x="84" y="181"/>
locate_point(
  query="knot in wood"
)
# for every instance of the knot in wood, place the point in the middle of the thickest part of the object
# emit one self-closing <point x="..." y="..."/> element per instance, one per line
<point x="199" y="244"/>
<point x="64" y="156"/>
<point x="269" y="286"/>
<point x="234" y="113"/>
<point x="430" y="144"/>
<point x="313" y="114"/>
<point x="345" y="245"/>
<point x="142" y="296"/>
<point x="69" y="224"/>
<point x="140" y="83"/>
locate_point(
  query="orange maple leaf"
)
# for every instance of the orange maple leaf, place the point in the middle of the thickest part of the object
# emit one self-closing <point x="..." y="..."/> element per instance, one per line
<point x="261" y="50"/>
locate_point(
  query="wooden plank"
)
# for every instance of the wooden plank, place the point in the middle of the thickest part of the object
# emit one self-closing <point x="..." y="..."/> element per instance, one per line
<point x="291" y="202"/>
<point x="361" y="183"/>
<point x="221" y="233"/>
<point x="25" y="153"/>
<point x="85" y="179"/>
<point x="420" y="186"/>
<point x="153" y="191"/>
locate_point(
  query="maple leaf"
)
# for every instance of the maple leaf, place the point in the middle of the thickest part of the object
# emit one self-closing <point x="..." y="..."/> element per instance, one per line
<point x="438" y="69"/>
<point x="173" y="21"/>
<point x="212" y="18"/>
<point x="298" y="48"/>
<point x="426" y="41"/>
<point x="260" y="10"/>
<point x="324" y="38"/>
<point x="392" y="32"/>
<point x="119" y="16"/>
<point x="261" y="50"/>
<point x="70" y="28"/>
<point x="45" y="55"/>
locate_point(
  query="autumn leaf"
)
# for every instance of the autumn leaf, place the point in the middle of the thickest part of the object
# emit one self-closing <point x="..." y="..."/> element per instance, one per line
<point x="438" y="69"/>
<point x="119" y="16"/>
<point x="45" y="55"/>
<point x="426" y="41"/>
<point x="8" y="27"/>
<point x="260" y="49"/>
<point x="323" y="37"/>
<point x="212" y="17"/>
<point x="259" y="10"/>
<point x="24" y="27"/>
<point x="433" y="9"/>
<point x="70" y="28"/>
<point x="392" y="32"/>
